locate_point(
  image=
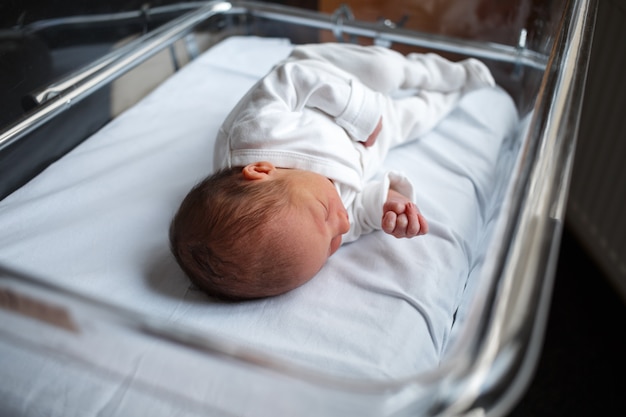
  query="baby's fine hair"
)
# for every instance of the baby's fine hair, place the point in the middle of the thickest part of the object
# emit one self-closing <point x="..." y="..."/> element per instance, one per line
<point x="224" y="236"/>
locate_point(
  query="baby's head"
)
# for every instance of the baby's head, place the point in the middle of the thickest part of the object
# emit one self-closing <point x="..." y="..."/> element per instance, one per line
<point x="257" y="231"/>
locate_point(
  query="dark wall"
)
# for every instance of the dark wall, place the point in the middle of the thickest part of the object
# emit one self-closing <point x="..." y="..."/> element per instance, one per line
<point x="18" y="12"/>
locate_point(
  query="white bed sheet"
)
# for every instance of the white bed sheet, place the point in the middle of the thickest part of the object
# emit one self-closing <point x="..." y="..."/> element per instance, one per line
<point x="96" y="222"/>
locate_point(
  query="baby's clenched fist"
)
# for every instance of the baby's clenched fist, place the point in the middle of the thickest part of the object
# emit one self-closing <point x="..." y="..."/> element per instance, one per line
<point x="402" y="218"/>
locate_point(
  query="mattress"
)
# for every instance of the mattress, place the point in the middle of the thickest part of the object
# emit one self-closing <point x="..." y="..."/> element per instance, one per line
<point x="96" y="223"/>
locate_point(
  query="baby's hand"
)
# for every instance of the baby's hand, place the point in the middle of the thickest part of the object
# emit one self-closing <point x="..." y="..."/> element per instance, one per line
<point x="372" y="138"/>
<point x="401" y="217"/>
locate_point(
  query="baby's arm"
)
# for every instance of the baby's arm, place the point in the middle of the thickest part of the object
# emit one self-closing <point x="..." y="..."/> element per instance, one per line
<point x="401" y="217"/>
<point x="386" y="204"/>
<point x="296" y="84"/>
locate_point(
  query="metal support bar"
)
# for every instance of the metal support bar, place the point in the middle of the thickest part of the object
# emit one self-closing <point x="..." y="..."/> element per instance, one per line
<point x="108" y="68"/>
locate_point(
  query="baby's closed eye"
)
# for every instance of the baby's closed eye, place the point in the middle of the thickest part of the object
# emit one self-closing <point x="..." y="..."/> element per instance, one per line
<point x="325" y="211"/>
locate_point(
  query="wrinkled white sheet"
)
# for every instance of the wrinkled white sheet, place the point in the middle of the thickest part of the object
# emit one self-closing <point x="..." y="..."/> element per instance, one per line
<point x="96" y="222"/>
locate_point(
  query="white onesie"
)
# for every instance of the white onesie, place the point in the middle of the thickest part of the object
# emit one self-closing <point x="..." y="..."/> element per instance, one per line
<point x="314" y="110"/>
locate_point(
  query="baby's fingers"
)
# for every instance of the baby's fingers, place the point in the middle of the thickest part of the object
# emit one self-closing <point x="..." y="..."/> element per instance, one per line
<point x="389" y="222"/>
<point x="414" y="226"/>
<point x="423" y="224"/>
<point x="409" y="223"/>
<point x="374" y="135"/>
<point x="395" y="224"/>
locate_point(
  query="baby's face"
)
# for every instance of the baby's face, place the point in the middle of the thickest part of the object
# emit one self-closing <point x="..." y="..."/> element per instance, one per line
<point x="316" y="221"/>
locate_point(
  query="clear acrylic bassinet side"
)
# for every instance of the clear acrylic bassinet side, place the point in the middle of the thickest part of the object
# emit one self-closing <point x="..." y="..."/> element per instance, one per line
<point x="88" y="335"/>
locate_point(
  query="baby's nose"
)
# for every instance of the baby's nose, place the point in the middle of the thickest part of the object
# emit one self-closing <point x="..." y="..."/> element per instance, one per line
<point x="344" y="222"/>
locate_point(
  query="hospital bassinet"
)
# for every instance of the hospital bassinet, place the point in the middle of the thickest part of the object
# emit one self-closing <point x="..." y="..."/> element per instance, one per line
<point x="96" y="319"/>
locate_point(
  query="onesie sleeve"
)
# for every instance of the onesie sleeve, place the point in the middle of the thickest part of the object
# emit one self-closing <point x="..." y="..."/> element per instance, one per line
<point x="366" y="211"/>
<point x="296" y="84"/>
<point x="362" y="112"/>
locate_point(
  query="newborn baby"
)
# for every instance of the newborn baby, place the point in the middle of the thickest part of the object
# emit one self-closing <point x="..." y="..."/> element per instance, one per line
<point x="297" y="165"/>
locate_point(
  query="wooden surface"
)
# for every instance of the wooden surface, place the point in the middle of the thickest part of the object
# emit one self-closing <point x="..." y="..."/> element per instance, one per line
<point x="493" y="20"/>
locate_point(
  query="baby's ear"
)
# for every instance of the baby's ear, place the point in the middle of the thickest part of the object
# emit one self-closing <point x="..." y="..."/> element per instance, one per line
<point x="258" y="170"/>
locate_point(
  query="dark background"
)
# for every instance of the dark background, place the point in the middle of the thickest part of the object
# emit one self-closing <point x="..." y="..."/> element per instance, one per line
<point x="582" y="368"/>
<point x="17" y="12"/>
